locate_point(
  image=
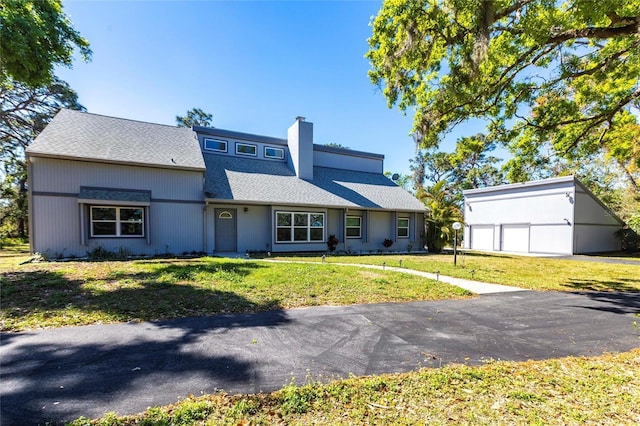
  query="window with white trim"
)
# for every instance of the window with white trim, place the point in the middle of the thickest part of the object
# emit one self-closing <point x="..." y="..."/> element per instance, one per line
<point x="403" y="227"/>
<point x="246" y="149"/>
<point x="271" y="152"/>
<point x="215" y="145"/>
<point x="299" y="227"/>
<point x="109" y="221"/>
<point x="354" y="227"/>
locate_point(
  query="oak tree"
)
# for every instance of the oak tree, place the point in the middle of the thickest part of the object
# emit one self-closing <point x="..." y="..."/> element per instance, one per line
<point x="35" y="36"/>
<point x="561" y="73"/>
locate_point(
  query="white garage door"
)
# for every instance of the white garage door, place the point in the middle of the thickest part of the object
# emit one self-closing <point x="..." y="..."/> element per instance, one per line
<point x="482" y="237"/>
<point x="515" y="238"/>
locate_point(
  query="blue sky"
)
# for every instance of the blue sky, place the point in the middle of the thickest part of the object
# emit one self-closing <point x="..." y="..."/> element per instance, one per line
<point x="254" y="66"/>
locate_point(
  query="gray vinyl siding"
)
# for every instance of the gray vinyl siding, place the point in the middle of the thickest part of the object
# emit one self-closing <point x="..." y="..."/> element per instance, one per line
<point x="335" y="225"/>
<point x="254" y="228"/>
<point x="56" y="226"/>
<point x="66" y="176"/>
<point x="175" y="214"/>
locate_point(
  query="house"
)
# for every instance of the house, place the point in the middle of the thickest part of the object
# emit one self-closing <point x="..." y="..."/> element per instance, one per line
<point x="141" y="188"/>
<point x="558" y="215"/>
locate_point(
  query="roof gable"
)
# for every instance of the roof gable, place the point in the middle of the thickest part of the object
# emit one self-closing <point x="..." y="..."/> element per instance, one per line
<point x="84" y="136"/>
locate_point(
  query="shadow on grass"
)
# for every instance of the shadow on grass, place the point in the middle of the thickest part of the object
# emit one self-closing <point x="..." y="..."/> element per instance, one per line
<point x="603" y="285"/>
<point x="166" y="292"/>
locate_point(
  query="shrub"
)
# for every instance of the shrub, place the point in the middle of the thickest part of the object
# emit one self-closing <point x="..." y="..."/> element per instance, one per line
<point x="630" y="239"/>
<point x="332" y="243"/>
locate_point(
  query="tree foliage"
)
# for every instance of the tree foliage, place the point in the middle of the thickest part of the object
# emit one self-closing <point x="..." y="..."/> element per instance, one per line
<point x="470" y="166"/>
<point x="561" y="75"/>
<point x="194" y="117"/>
<point x="35" y="36"/>
<point x="443" y="211"/>
<point x="24" y="112"/>
<point x="336" y="145"/>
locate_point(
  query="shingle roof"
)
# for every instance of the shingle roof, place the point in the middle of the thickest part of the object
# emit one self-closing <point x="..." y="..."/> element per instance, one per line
<point x="105" y="194"/>
<point x="257" y="181"/>
<point x="79" y="135"/>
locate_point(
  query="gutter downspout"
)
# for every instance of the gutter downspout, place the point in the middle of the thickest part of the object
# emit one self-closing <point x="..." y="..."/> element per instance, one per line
<point x="574" y="235"/>
<point x="344" y="228"/>
<point x="205" y="227"/>
<point x="30" y="206"/>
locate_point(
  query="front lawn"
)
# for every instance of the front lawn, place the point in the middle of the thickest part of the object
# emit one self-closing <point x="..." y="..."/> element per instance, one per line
<point x="535" y="273"/>
<point x="602" y="390"/>
<point x="42" y="295"/>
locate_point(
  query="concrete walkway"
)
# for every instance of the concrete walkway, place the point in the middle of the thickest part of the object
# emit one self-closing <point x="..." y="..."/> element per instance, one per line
<point x="470" y="285"/>
<point x="60" y="374"/>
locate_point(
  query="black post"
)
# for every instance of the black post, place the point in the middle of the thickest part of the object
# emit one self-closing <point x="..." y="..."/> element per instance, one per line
<point x="455" y="247"/>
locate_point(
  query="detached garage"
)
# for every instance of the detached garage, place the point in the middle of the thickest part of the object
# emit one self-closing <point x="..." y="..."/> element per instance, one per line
<point x="556" y="216"/>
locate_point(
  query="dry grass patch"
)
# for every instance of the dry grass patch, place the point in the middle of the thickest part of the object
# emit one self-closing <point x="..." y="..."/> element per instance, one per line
<point x="600" y="390"/>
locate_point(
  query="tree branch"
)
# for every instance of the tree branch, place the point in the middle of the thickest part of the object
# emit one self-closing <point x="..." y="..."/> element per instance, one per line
<point x="630" y="27"/>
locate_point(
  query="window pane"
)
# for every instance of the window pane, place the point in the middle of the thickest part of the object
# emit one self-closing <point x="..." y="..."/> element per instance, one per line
<point x="316" y="234"/>
<point x="245" y="149"/>
<point x="103" y="213"/>
<point x="273" y="152"/>
<point x="300" y="219"/>
<point x="353" y="221"/>
<point x="131" y="228"/>
<point x="215" y="145"/>
<point x="131" y="215"/>
<point x="403" y="223"/>
<point x="104" y="228"/>
<point x="353" y="232"/>
<point x="283" y="234"/>
<point x="284" y="219"/>
<point x="300" y="234"/>
<point x="317" y="220"/>
<point x="403" y="232"/>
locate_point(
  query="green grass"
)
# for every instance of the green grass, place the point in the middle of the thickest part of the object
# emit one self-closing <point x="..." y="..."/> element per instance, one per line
<point x="602" y="390"/>
<point x="42" y="295"/>
<point x="528" y="272"/>
<point x="14" y="248"/>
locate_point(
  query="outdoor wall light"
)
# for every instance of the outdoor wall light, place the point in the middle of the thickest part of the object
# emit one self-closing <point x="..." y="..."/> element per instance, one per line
<point x="246" y="209"/>
<point x="456" y="226"/>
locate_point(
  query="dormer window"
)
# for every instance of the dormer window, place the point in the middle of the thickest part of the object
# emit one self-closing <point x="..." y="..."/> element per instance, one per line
<point x="246" y="149"/>
<point x="275" y="153"/>
<point x="218" y="145"/>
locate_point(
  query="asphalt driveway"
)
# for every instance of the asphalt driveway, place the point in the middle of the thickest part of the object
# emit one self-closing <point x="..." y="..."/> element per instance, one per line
<point x="61" y="374"/>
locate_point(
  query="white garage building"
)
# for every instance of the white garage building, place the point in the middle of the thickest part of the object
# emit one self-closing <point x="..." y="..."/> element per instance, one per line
<point x="558" y="216"/>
